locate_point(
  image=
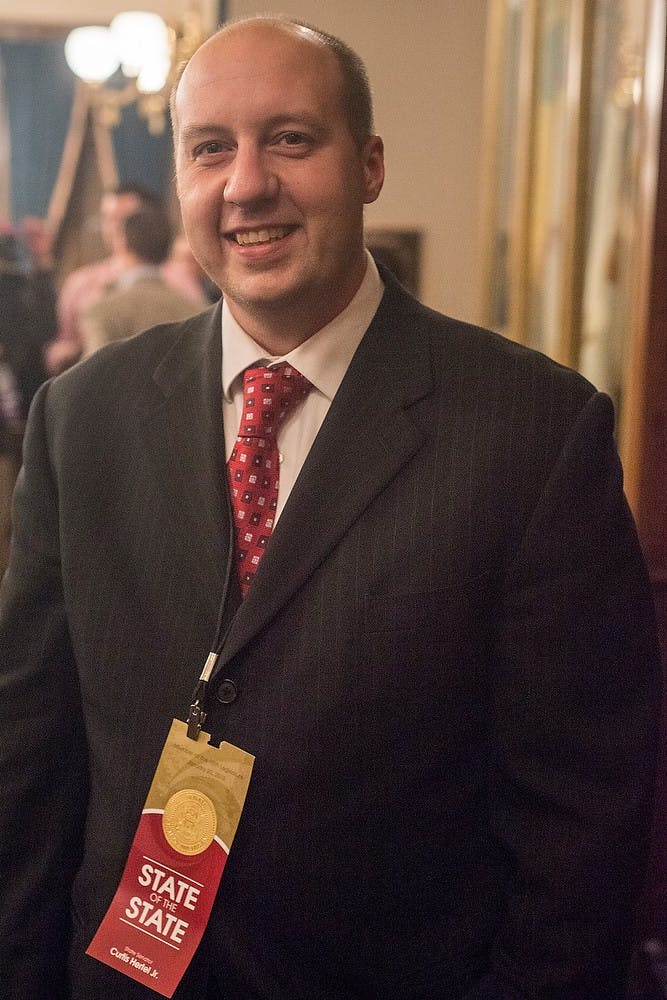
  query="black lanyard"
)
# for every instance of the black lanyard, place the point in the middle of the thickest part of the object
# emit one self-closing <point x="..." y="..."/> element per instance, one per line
<point x="196" y="713"/>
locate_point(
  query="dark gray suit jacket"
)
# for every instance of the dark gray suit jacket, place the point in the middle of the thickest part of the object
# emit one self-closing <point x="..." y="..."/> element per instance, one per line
<point x="446" y="670"/>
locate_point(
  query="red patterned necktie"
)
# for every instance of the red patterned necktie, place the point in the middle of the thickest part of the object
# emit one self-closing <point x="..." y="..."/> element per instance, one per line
<point x="269" y="394"/>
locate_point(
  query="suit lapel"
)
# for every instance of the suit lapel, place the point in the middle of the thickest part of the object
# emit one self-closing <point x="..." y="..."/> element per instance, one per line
<point x="185" y="447"/>
<point x="365" y="439"/>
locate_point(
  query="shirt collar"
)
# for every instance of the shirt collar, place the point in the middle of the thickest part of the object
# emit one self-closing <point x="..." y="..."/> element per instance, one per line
<point x="324" y="357"/>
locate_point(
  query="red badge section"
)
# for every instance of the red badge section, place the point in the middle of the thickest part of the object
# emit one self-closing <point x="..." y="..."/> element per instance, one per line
<point x="160" y="909"/>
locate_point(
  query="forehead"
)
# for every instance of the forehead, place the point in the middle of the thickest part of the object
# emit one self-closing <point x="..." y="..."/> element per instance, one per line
<point x="250" y="67"/>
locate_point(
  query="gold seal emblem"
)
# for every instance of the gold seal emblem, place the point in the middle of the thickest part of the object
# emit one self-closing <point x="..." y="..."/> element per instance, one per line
<point x="189" y="821"/>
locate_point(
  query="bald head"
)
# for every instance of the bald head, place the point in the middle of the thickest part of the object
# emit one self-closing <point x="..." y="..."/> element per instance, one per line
<point x="355" y="90"/>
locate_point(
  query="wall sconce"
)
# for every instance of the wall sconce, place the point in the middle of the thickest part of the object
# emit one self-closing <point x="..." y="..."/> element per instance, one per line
<point x="145" y="50"/>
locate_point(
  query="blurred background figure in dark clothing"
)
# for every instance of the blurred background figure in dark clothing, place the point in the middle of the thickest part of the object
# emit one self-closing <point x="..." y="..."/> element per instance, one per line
<point x="27" y="304"/>
<point x="27" y="320"/>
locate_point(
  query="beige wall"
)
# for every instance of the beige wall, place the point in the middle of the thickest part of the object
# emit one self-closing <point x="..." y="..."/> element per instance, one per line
<point x="426" y="61"/>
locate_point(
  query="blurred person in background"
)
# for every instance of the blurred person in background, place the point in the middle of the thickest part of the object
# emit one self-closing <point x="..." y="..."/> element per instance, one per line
<point x="27" y="303"/>
<point x="183" y="260"/>
<point x="27" y="317"/>
<point x="85" y="285"/>
<point x="141" y="297"/>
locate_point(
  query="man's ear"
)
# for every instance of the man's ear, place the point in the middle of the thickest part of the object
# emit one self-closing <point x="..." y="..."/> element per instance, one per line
<point x="373" y="162"/>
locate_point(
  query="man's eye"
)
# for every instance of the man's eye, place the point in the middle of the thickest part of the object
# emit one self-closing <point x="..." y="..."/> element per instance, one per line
<point x="292" y="139"/>
<point x="209" y="148"/>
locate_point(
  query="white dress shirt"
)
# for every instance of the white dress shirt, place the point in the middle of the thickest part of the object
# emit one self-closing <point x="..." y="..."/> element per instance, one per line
<point x="323" y="359"/>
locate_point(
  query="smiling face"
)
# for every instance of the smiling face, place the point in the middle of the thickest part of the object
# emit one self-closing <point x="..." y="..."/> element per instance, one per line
<point x="271" y="182"/>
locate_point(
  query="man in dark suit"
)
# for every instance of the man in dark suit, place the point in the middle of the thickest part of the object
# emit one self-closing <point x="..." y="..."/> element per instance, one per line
<point x="444" y="663"/>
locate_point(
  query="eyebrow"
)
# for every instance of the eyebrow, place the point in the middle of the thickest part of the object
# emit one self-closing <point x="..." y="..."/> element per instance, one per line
<point x="191" y="133"/>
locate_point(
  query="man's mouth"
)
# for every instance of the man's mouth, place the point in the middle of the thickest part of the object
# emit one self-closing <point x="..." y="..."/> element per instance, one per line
<point x="252" y="237"/>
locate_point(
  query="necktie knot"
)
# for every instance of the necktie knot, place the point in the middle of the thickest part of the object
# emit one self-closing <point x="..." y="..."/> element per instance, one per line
<point x="269" y="394"/>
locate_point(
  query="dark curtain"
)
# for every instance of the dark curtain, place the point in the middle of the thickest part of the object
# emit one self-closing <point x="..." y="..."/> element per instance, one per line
<point x="142" y="157"/>
<point x="38" y="89"/>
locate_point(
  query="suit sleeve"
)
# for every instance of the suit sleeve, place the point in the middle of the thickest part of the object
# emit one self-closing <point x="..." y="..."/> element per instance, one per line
<point x="43" y="786"/>
<point x="575" y="694"/>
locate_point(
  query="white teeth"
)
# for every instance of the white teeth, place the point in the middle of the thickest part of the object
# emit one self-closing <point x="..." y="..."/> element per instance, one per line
<point x="261" y="235"/>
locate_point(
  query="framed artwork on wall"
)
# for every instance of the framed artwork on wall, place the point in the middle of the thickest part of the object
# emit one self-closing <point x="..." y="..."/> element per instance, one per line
<point x="400" y="250"/>
<point x="574" y="93"/>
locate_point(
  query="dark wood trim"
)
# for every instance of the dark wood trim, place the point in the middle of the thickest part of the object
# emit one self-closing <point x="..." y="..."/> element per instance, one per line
<point x="651" y="510"/>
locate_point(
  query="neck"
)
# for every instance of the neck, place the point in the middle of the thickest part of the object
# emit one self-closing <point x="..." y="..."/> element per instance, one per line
<point x="278" y="334"/>
<point x="279" y="328"/>
<point x="126" y="260"/>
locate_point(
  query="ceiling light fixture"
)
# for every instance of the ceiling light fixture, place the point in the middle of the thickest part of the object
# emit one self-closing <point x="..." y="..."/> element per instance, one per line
<point x="133" y="60"/>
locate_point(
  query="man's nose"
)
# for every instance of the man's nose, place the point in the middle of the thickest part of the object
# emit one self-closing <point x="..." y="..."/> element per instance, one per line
<point x="251" y="178"/>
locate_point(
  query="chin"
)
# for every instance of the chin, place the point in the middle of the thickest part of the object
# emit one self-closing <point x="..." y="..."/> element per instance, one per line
<point x="266" y="289"/>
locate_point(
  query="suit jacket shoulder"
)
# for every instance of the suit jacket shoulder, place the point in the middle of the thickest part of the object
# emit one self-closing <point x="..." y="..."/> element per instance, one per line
<point x="155" y="360"/>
